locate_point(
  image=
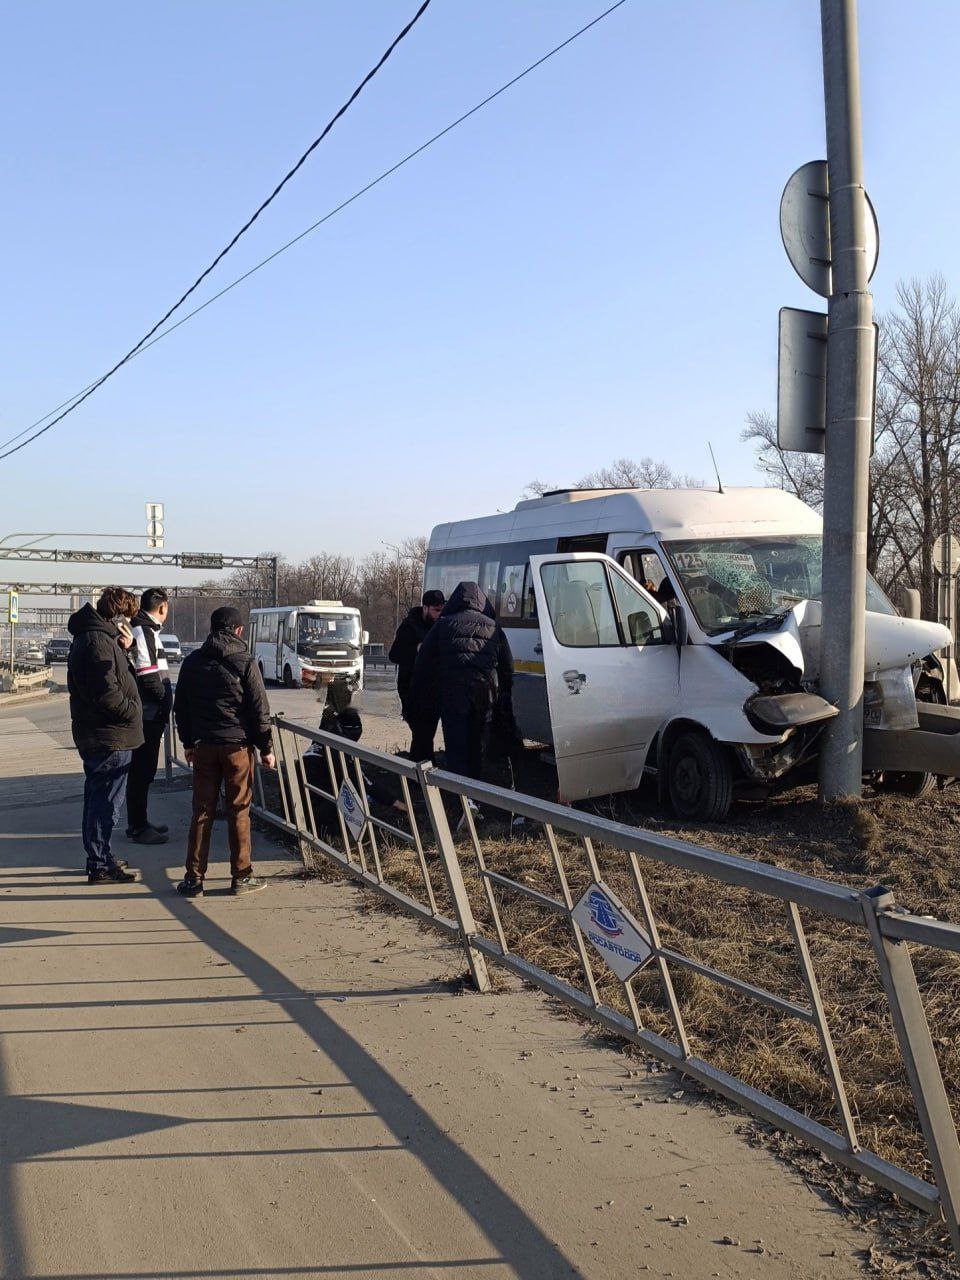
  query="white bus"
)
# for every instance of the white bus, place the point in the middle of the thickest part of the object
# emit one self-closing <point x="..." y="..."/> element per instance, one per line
<point x="309" y="644"/>
<point x="677" y="632"/>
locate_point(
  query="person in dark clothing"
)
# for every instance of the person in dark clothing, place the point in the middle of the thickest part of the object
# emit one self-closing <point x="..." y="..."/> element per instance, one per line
<point x="107" y="723"/>
<point x="411" y="633"/>
<point x="464" y="669"/>
<point x="156" y="696"/>
<point x="222" y="714"/>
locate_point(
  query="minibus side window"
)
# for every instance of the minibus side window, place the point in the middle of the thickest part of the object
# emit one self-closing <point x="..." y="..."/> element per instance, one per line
<point x="647" y="568"/>
<point x="580" y="605"/>
<point x="511" y="591"/>
<point x="529" y="596"/>
<point x="639" y="620"/>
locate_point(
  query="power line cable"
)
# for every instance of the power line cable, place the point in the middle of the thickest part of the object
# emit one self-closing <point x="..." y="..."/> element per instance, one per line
<point x="150" y="340"/>
<point x="88" y="391"/>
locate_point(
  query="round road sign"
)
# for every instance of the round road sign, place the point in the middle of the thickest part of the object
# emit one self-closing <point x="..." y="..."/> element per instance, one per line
<point x="946" y="555"/>
<point x="805" y="226"/>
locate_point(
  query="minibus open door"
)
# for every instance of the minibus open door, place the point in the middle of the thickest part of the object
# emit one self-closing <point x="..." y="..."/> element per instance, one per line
<point x="611" y="667"/>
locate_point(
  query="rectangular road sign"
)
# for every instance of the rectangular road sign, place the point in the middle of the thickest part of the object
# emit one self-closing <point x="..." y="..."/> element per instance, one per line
<point x="802" y="381"/>
<point x="14" y="607"/>
<point x="201" y="560"/>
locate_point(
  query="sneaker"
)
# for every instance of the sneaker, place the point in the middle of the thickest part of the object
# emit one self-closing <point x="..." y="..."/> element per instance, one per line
<point x="149" y="835"/>
<point x="116" y="874"/>
<point x="247" y="884"/>
<point x="475" y="812"/>
<point x="190" y="888"/>
<point x="155" y="826"/>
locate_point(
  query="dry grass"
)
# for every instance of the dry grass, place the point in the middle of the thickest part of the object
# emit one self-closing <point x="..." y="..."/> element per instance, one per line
<point x="913" y="848"/>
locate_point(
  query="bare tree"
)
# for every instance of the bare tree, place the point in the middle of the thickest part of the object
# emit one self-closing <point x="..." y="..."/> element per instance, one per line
<point x="915" y="466"/>
<point x="624" y="473"/>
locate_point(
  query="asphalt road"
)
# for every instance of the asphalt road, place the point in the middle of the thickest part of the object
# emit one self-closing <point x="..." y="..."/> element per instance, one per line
<point x="378" y="705"/>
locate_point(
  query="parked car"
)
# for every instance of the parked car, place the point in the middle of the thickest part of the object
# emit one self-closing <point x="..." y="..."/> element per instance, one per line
<point x="171" y="647"/>
<point x="57" y="650"/>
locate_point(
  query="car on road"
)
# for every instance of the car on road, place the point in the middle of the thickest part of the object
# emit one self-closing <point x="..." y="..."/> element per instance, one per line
<point x="171" y="648"/>
<point x="57" y="649"/>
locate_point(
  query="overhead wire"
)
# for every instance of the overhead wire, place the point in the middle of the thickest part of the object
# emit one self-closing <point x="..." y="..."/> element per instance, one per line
<point x="153" y="337"/>
<point x="341" y="111"/>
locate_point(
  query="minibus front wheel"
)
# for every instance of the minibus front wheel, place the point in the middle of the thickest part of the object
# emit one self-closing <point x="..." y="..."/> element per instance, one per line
<point x="699" y="777"/>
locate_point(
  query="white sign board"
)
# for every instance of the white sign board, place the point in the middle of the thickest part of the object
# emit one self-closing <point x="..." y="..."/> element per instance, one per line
<point x="946" y="555"/>
<point x="612" y="930"/>
<point x="14" y="607"/>
<point x="348" y="802"/>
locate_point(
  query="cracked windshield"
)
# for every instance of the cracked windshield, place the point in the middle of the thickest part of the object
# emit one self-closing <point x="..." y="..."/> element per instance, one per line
<point x="731" y="581"/>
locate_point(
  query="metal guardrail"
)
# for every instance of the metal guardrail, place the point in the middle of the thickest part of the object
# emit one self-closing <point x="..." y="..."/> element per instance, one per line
<point x="421" y="827"/>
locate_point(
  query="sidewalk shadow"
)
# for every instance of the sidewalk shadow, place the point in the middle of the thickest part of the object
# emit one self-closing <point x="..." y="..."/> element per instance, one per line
<point x="517" y="1239"/>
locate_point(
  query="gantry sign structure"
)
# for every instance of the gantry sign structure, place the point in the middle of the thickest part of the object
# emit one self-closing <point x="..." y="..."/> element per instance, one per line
<point x="208" y="560"/>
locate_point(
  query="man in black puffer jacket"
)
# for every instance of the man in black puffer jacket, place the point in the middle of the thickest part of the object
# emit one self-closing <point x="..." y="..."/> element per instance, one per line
<point x="411" y="633"/>
<point x="107" y="723"/>
<point x="464" y="668"/>
<point x="222" y="714"/>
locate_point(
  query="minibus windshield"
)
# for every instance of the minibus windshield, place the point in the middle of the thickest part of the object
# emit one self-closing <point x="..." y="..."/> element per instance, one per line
<point x="732" y="581"/>
<point x="323" y="631"/>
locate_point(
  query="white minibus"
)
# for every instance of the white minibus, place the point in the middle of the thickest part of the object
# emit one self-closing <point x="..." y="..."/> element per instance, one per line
<point x="309" y="644"/>
<point x="677" y="632"/>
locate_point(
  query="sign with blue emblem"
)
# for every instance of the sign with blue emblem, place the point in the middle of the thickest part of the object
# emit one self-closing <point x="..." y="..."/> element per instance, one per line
<point x="348" y="802"/>
<point x="612" y="930"/>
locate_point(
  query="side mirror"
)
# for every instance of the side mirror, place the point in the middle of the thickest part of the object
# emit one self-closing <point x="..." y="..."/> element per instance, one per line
<point x="678" y="620"/>
<point x="292" y="618"/>
<point x="365" y="638"/>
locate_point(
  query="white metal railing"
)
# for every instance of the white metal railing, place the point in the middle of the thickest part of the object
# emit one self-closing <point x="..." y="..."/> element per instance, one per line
<point x="417" y="837"/>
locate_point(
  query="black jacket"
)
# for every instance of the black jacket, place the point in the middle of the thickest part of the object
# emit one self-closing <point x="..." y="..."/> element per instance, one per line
<point x="105" y="711"/>
<point x="465" y="647"/>
<point x="150" y="667"/>
<point x="411" y="634"/>
<point x="220" y="695"/>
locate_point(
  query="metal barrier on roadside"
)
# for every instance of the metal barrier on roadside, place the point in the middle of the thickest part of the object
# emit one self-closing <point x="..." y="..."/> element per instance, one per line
<point x="312" y="770"/>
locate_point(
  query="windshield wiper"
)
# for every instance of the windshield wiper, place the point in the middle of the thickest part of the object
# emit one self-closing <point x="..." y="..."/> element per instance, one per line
<point x="766" y="623"/>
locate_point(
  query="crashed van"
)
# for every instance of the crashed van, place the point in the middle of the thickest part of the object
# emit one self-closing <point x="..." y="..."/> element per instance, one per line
<point x="675" y="633"/>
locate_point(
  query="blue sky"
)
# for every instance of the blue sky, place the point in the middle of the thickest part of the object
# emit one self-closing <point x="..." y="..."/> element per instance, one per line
<point x="590" y="268"/>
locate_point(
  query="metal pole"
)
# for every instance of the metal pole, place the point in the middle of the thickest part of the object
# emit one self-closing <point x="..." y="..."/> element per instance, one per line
<point x="850" y="374"/>
<point x="396" y="612"/>
<point x="276" y="581"/>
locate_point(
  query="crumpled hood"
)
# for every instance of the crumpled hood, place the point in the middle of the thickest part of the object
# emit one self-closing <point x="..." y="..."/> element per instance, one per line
<point x="890" y="642"/>
<point x="467" y="595"/>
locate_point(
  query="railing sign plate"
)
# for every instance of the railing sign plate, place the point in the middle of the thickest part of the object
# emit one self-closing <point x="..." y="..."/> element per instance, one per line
<point x="612" y="930"/>
<point x="348" y="802"/>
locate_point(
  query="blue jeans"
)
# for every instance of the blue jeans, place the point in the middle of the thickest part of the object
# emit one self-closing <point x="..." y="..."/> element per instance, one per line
<point x="105" y="783"/>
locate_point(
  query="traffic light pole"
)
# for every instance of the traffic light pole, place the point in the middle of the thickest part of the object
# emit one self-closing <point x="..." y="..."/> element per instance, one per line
<point x="849" y="423"/>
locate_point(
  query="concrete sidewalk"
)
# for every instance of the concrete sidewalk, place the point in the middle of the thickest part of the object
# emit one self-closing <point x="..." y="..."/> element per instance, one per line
<point x="295" y="1085"/>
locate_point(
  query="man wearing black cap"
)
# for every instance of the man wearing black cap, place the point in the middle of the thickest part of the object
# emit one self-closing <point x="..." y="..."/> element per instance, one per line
<point x="411" y="634"/>
<point x="222" y="714"/>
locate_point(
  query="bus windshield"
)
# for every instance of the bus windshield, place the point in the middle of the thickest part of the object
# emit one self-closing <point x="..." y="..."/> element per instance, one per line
<point x="327" y="630"/>
<point x="730" y="581"/>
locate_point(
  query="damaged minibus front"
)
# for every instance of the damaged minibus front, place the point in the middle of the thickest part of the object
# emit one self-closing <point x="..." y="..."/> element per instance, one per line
<point x="677" y="633"/>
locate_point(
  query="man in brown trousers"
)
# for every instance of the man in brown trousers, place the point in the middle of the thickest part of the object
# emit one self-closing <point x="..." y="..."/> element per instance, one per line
<point x="222" y="715"/>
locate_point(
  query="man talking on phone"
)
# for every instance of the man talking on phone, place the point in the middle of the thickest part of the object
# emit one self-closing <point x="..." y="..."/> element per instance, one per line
<point x="222" y="716"/>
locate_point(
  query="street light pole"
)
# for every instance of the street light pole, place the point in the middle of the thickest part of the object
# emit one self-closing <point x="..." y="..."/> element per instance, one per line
<point x="849" y="426"/>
